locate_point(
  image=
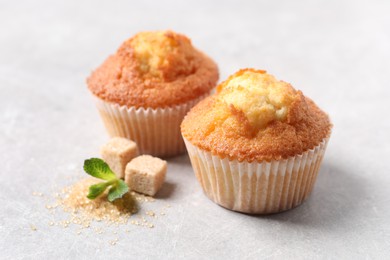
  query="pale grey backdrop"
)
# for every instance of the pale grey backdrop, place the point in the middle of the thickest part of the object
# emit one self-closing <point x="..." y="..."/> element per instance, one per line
<point x="336" y="52"/>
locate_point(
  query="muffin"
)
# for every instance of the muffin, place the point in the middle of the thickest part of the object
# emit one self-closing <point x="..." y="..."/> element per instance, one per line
<point x="145" y="89"/>
<point x="256" y="145"/>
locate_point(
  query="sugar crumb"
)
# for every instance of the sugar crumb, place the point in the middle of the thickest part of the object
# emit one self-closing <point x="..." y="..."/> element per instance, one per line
<point x="38" y="194"/>
<point x="113" y="242"/>
<point x="33" y="227"/>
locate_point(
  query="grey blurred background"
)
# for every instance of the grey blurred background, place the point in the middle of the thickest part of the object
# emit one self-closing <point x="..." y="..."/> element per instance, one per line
<point x="336" y="52"/>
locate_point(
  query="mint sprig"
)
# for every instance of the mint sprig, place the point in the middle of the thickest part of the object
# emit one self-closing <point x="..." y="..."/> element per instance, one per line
<point x="99" y="169"/>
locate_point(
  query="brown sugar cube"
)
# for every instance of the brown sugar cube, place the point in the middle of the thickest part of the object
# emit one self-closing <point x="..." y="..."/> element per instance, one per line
<point x="146" y="174"/>
<point x="117" y="152"/>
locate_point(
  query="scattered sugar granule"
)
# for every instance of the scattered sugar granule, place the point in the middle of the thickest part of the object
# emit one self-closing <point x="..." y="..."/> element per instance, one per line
<point x="38" y="194"/>
<point x="83" y="211"/>
<point x="150" y="213"/>
<point x="33" y="227"/>
<point x="113" y="242"/>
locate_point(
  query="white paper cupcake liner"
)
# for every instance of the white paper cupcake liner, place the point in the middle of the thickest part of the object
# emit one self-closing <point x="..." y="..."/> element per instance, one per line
<point x="156" y="131"/>
<point x="253" y="187"/>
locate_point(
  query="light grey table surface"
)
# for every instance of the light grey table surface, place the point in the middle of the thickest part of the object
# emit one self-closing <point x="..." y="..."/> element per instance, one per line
<point x="336" y="52"/>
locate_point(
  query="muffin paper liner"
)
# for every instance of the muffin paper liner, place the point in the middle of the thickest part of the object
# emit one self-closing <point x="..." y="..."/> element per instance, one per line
<point x="156" y="131"/>
<point x="257" y="187"/>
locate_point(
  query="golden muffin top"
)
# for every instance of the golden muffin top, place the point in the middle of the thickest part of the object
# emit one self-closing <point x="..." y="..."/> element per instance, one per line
<point x="254" y="116"/>
<point x="154" y="69"/>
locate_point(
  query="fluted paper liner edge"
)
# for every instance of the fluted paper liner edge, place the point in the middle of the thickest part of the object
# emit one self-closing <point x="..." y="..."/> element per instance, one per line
<point x="257" y="187"/>
<point x="156" y="131"/>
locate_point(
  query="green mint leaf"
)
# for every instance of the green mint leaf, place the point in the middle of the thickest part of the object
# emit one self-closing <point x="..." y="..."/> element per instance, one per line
<point x="97" y="189"/>
<point x="99" y="169"/>
<point x="117" y="190"/>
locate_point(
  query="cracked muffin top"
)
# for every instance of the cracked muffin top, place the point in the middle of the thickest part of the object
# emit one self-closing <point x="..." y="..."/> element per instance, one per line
<point x="254" y="116"/>
<point x="154" y="69"/>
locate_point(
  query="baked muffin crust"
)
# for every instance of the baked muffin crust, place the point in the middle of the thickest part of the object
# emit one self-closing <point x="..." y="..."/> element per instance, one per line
<point x="254" y="116"/>
<point x="154" y="69"/>
<point x="260" y="96"/>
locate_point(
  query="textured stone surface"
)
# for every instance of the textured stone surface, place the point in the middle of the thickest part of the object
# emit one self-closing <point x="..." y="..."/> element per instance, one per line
<point x="336" y="52"/>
